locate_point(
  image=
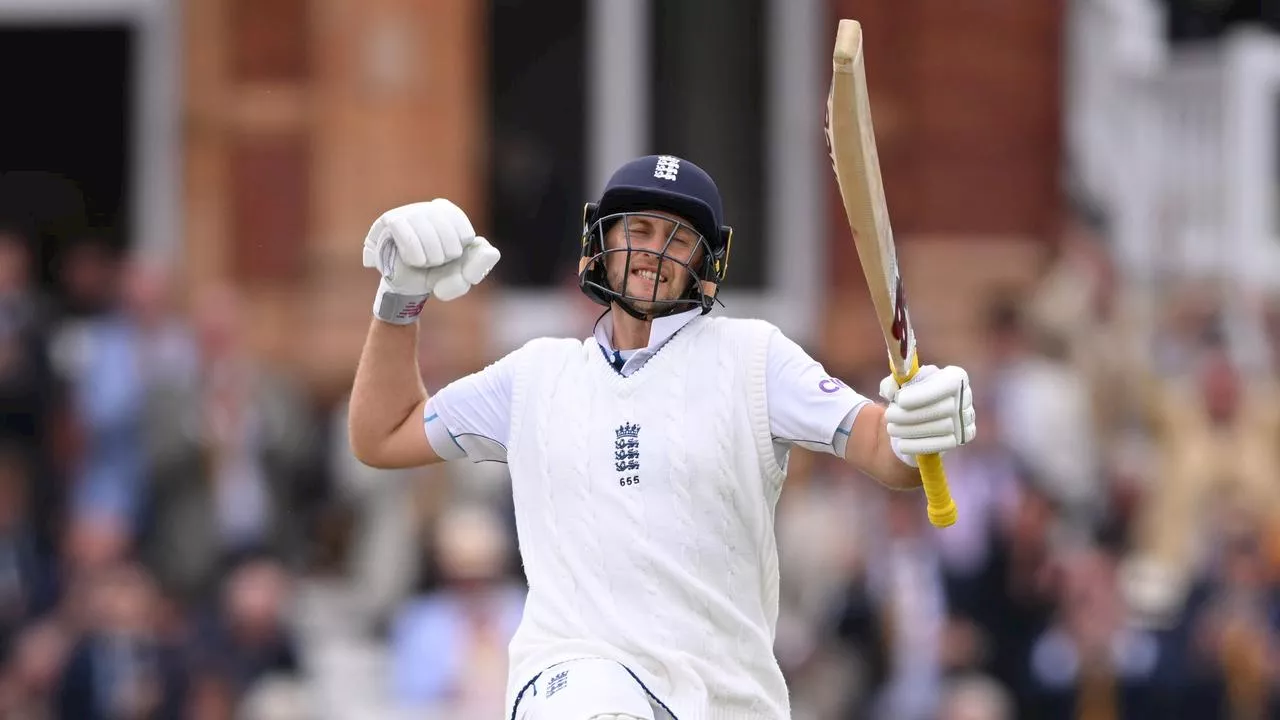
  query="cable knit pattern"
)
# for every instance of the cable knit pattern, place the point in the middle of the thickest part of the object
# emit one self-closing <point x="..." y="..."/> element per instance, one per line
<point x="678" y="408"/>
<point x="729" y="361"/>
<point x="674" y="576"/>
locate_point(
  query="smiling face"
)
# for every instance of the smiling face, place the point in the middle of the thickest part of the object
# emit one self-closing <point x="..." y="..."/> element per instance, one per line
<point x="650" y="259"/>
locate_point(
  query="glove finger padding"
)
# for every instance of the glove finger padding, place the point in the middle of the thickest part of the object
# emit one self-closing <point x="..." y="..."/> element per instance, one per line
<point x="944" y="408"/>
<point x="453" y="280"/>
<point x="374" y="241"/>
<point x="927" y="446"/>
<point x="453" y="216"/>
<point x="924" y="391"/>
<point x="416" y="238"/>
<point x="449" y="284"/>
<point x="955" y="433"/>
<point x="932" y="428"/>
<point x="407" y="244"/>
<point x="933" y="413"/>
<point x="478" y="259"/>
<point x="438" y="239"/>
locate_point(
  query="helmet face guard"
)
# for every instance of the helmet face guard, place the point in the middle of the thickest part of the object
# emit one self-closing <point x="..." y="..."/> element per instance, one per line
<point x="684" y="255"/>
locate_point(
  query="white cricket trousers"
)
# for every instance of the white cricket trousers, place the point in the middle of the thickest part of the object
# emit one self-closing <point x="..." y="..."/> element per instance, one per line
<point x="588" y="689"/>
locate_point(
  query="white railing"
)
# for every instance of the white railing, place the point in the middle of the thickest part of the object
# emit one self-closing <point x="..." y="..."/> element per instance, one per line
<point x="1179" y="146"/>
<point x="1252" y="154"/>
<point x="1187" y="124"/>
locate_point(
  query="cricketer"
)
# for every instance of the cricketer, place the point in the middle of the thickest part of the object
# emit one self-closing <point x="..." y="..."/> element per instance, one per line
<point x="646" y="460"/>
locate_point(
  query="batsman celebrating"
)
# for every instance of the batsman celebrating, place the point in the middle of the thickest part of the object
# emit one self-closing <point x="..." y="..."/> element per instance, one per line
<point x="646" y="460"/>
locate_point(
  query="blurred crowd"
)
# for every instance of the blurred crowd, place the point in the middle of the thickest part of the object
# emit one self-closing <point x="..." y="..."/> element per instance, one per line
<point x="185" y="534"/>
<point x="168" y="503"/>
<point x="154" y="495"/>
<point x="1118" y="552"/>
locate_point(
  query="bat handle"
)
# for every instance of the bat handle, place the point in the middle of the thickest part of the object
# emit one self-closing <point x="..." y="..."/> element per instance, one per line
<point x="942" y="509"/>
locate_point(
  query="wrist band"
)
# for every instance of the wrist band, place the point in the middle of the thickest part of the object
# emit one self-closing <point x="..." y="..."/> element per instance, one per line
<point x="398" y="309"/>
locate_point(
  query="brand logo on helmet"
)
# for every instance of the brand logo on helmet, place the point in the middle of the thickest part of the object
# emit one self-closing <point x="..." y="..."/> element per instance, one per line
<point x="667" y="168"/>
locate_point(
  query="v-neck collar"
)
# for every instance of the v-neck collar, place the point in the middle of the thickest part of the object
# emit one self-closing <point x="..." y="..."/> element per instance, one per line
<point x="660" y="331"/>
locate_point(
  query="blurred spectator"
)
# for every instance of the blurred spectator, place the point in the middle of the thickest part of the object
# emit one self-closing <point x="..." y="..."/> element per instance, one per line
<point x="122" y="667"/>
<point x="449" y="645"/>
<point x="986" y="481"/>
<point x="28" y="576"/>
<point x="1219" y="446"/>
<point x="227" y="453"/>
<point x="1271" y="324"/>
<point x="94" y="543"/>
<point x="384" y="556"/>
<point x="279" y="698"/>
<point x="211" y="697"/>
<point x="32" y="672"/>
<point x="906" y="585"/>
<point x="1235" y="627"/>
<point x="87" y="273"/>
<point x="1083" y="306"/>
<point x="1030" y="375"/>
<point x="1090" y="662"/>
<point x="29" y="391"/>
<point x="823" y="565"/>
<point x="861" y="629"/>
<point x="246" y="637"/>
<point x="1189" y="321"/>
<point x="112" y="361"/>
<point x="974" y="697"/>
<point x="1019" y="599"/>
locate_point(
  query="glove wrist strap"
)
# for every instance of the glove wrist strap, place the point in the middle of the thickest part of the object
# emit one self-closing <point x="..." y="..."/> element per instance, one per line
<point x="397" y="308"/>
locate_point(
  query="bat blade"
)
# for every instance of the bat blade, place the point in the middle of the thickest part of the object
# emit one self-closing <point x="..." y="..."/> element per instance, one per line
<point x="851" y="140"/>
<point x="852" y="145"/>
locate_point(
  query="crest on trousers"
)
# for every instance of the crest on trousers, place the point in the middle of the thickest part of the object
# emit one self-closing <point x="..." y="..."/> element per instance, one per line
<point x="626" y="453"/>
<point x="557" y="683"/>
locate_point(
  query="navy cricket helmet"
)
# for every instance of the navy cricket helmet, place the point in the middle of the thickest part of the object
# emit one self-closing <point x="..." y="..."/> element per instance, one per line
<point x="667" y="184"/>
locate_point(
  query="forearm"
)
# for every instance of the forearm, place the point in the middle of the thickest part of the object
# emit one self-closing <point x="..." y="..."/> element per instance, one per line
<point x="869" y="449"/>
<point x="387" y="397"/>
<point x="421" y="250"/>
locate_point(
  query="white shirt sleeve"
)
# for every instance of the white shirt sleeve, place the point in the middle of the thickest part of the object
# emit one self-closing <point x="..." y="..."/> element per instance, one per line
<point x="471" y="416"/>
<point x="806" y="404"/>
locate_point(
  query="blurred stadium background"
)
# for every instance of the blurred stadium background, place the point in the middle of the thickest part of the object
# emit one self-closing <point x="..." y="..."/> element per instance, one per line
<point x="1086" y="195"/>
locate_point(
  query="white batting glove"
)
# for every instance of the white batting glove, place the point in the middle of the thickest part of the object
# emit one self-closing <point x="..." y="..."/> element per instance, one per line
<point x="932" y="413"/>
<point x="421" y="250"/>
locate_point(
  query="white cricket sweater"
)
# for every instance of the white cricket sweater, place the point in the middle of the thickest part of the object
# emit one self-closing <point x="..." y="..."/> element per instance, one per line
<point x="645" y="512"/>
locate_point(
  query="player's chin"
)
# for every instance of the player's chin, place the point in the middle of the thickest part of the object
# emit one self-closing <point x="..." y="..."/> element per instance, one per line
<point x="646" y="305"/>
<point x="650" y="307"/>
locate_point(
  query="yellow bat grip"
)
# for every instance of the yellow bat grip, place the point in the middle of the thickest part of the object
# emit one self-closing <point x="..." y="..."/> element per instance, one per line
<point x="942" y="509"/>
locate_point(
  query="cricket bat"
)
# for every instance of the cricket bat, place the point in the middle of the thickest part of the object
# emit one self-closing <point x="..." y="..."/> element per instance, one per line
<point x="852" y="143"/>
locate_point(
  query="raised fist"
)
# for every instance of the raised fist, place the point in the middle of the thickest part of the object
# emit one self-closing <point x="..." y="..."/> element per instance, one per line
<point x="424" y="249"/>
